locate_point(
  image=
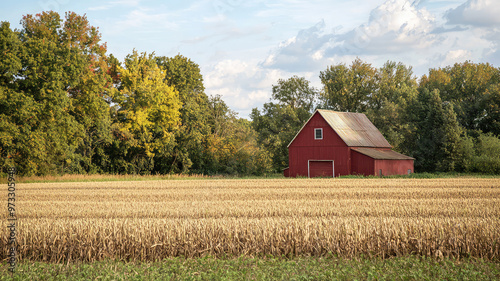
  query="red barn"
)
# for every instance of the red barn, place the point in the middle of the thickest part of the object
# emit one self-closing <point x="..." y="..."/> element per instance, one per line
<point x="334" y="143"/>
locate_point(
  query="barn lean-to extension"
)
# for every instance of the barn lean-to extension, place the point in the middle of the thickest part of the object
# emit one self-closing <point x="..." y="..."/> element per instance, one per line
<point x="332" y="144"/>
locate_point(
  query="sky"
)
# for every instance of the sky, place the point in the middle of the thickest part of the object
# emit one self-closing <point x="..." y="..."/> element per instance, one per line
<point x="243" y="47"/>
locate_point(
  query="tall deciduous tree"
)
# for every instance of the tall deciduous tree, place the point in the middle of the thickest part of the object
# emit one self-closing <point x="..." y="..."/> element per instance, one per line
<point x="58" y="70"/>
<point x="489" y="120"/>
<point x="348" y="88"/>
<point x="232" y="147"/>
<point x="48" y="72"/>
<point x="147" y="116"/>
<point x="396" y="87"/>
<point x="296" y="93"/>
<point x="437" y="142"/>
<point x="395" y="83"/>
<point x="278" y="122"/>
<point x="467" y="86"/>
<point x="185" y="76"/>
<point x="90" y="90"/>
<point x="10" y="61"/>
<point x="10" y="100"/>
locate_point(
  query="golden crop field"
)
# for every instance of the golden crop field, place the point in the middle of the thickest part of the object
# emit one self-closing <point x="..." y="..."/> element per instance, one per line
<point x="153" y="220"/>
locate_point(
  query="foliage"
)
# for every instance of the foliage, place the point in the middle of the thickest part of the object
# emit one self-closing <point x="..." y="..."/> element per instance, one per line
<point x="146" y="116"/>
<point x="388" y="104"/>
<point x="56" y="79"/>
<point x="279" y="121"/>
<point x="468" y="87"/>
<point x="437" y="142"/>
<point x="190" y="139"/>
<point x="436" y="121"/>
<point x="347" y="88"/>
<point x="232" y="143"/>
<point x="487" y="157"/>
<point x="383" y="94"/>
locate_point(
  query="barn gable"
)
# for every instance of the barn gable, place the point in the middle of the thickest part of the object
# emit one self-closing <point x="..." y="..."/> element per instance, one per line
<point x="355" y="129"/>
<point x="306" y="135"/>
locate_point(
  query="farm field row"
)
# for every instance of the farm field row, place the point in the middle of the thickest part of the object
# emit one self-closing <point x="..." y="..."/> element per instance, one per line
<point x="153" y="220"/>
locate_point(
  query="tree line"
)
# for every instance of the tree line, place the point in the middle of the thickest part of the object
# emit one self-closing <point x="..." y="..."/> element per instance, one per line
<point x="66" y="106"/>
<point x="448" y="120"/>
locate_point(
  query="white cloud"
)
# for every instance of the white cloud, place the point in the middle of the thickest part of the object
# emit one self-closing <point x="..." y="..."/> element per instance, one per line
<point x="475" y="13"/>
<point x="482" y="28"/>
<point x="396" y="26"/>
<point x="397" y="30"/>
<point x="242" y="84"/>
<point x="455" y="56"/>
<point x="302" y="52"/>
<point x="492" y="55"/>
<point x="214" y="19"/>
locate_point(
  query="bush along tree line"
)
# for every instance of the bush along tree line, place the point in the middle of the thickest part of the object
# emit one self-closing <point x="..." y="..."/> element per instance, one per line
<point x="66" y="106"/>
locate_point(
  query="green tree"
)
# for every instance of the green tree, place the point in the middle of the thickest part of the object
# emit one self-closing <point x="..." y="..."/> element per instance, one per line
<point x="10" y="61"/>
<point x="90" y="91"/>
<point x="466" y="86"/>
<point x="395" y="83"/>
<point x="296" y="93"/>
<point x="232" y="146"/>
<point x="191" y="137"/>
<point x="489" y="120"/>
<point x="55" y="69"/>
<point x="438" y="142"/>
<point x="146" y="117"/>
<point x="278" y="122"/>
<point x="487" y="155"/>
<point x="41" y="87"/>
<point x="383" y="94"/>
<point x="396" y="87"/>
<point x="10" y="65"/>
<point x="348" y="88"/>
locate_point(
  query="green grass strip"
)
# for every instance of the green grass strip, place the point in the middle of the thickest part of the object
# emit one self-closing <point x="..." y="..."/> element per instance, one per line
<point x="245" y="268"/>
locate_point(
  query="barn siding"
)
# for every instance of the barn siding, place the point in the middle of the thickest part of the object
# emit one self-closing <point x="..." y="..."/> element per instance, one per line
<point x="362" y="164"/>
<point x="299" y="156"/>
<point x="304" y="148"/>
<point x="393" y="167"/>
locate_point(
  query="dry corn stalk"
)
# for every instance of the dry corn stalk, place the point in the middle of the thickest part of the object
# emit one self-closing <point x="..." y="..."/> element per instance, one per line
<point x="145" y="221"/>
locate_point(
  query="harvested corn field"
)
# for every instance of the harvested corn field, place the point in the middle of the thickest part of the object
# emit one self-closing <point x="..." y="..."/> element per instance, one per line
<point x="153" y="220"/>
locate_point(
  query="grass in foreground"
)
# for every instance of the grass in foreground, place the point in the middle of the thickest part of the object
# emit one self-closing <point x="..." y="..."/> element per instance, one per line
<point x="405" y="268"/>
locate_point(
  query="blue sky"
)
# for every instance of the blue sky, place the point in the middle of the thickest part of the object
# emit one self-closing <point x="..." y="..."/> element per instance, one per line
<point x="244" y="47"/>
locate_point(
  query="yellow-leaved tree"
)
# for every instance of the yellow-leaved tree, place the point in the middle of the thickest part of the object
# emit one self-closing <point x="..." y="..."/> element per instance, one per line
<point x="146" y="115"/>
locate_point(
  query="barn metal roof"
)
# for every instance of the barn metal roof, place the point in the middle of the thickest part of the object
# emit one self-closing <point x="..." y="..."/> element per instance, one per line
<point x="380" y="154"/>
<point x="355" y="129"/>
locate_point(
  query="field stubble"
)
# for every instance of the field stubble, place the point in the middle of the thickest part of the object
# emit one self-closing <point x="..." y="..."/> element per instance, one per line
<point x="153" y="220"/>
